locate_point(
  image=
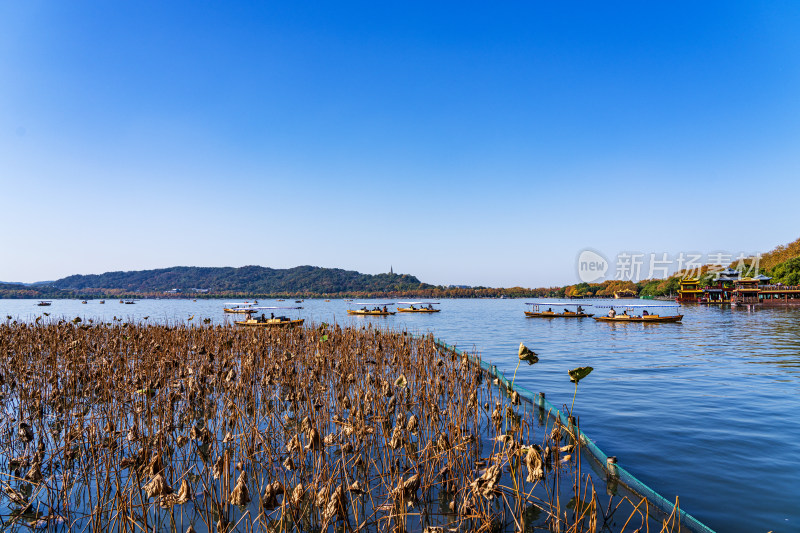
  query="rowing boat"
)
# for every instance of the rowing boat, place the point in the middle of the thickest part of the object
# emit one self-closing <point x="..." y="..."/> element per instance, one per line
<point x="536" y="311"/>
<point x="271" y="321"/>
<point x="279" y="322"/>
<point x="646" y="318"/>
<point x="241" y="308"/>
<point x="369" y="313"/>
<point x="370" y="309"/>
<point x="565" y="314"/>
<point x="413" y="309"/>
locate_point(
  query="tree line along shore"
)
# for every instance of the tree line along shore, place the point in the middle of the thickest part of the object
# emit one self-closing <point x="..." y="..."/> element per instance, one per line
<point x="782" y="264"/>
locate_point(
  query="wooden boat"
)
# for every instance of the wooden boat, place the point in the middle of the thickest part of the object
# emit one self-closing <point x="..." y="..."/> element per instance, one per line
<point x="413" y="309"/>
<point x="552" y="314"/>
<point x="646" y="318"/>
<point x="269" y="322"/>
<point x="277" y="322"/>
<point x="241" y="308"/>
<point x="371" y="309"/>
<point x="536" y="310"/>
<point x="102" y="301"/>
<point x="361" y="312"/>
<point x="84" y="302"/>
<point x="129" y="302"/>
<point x="44" y="303"/>
<point x="643" y="318"/>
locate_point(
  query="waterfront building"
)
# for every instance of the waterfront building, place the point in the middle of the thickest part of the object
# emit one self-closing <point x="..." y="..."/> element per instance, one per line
<point x="690" y="291"/>
<point x="758" y="291"/>
<point x="745" y="291"/>
<point x="721" y="291"/>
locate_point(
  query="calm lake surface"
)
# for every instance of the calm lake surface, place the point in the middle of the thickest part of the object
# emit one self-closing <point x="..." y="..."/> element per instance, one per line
<point x="708" y="410"/>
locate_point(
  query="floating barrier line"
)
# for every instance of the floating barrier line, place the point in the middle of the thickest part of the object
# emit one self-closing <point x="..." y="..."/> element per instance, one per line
<point x="614" y="472"/>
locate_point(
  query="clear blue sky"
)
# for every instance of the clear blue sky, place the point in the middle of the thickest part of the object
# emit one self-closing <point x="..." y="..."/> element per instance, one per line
<point x="477" y="143"/>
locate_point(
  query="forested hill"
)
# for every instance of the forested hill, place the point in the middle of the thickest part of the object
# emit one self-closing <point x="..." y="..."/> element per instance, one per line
<point x="248" y="279"/>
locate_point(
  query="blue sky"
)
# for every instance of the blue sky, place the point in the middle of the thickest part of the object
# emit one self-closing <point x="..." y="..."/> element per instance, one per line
<point x="461" y="142"/>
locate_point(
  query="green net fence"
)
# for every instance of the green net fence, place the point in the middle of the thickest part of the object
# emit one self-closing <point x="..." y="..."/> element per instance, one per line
<point x="615" y="474"/>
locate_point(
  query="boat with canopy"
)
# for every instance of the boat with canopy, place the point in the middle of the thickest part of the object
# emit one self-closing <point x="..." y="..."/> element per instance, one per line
<point x="238" y="307"/>
<point x="371" y="309"/>
<point x="270" y="321"/>
<point x="545" y="310"/>
<point x="44" y="303"/>
<point x="425" y="307"/>
<point x="629" y="313"/>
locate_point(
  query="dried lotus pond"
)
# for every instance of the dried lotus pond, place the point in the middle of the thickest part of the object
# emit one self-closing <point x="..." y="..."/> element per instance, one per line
<point x="133" y="427"/>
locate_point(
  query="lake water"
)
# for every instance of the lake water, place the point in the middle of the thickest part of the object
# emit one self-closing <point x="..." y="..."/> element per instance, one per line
<point x="708" y="409"/>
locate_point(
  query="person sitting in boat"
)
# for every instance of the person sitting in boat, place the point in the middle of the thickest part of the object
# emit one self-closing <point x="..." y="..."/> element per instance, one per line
<point x="612" y="313"/>
<point x="364" y="308"/>
<point x="580" y="309"/>
<point x="385" y="310"/>
<point x="412" y="307"/>
<point x="549" y="310"/>
<point x="263" y="318"/>
<point x="430" y="307"/>
<point x="625" y="313"/>
<point x="645" y="313"/>
<point x="271" y="315"/>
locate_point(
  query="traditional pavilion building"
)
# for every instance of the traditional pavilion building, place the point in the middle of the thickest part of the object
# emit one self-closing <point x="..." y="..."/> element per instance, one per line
<point x="777" y="294"/>
<point x="721" y="291"/>
<point x="745" y="291"/>
<point x="690" y="291"/>
<point x="758" y="291"/>
<point x="731" y="288"/>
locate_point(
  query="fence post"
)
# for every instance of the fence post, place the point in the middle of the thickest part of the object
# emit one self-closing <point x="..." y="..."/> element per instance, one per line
<point x="612" y="477"/>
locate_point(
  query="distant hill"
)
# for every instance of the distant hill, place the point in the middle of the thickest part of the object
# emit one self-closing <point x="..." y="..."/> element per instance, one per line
<point x="247" y="279"/>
